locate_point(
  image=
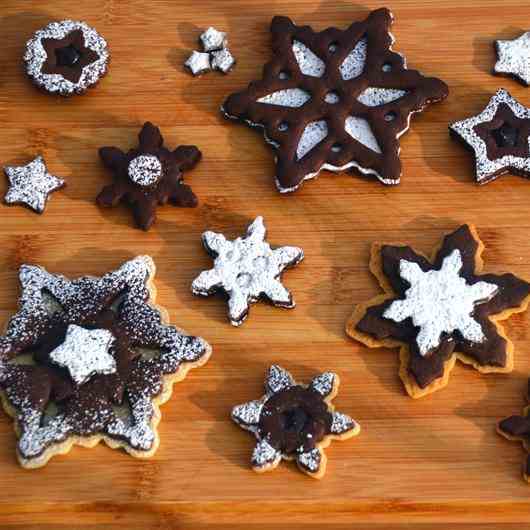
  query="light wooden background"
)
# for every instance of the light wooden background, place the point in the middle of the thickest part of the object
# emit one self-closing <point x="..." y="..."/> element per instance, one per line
<point x="432" y="463"/>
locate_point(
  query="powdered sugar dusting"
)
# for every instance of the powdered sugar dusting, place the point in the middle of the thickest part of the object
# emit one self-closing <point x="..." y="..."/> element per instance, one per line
<point x="353" y="66"/>
<point x="375" y="97"/>
<point x="324" y="383"/>
<point x="314" y="133"/>
<point x="290" y="97"/>
<point x="310" y="460"/>
<point x="309" y="63"/>
<point x="360" y="130"/>
<point x="247" y="414"/>
<point x="145" y="170"/>
<point x="36" y="56"/>
<point x="246" y="269"/>
<point x="440" y="301"/>
<point x="341" y="423"/>
<point x="198" y="63"/>
<point x="514" y="57"/>
<point x="278" y="379"/>
<point x="264" y="454"/>
<point x="213" y="40"/>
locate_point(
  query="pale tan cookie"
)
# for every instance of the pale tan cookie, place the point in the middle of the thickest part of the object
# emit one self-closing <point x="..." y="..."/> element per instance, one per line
<point x="440" y="310"/>
<point x="89" y="360"/>
<point x="295" y="422"/>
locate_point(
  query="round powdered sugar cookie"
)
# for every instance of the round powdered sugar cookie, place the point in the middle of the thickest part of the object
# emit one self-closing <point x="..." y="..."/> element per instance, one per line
<point x="247" y="269"/>
<point x="335" y="100"/>
<point x="91" y="359"/>
<point x="294" y="422"/>
<point x="439" y="310"/>
<point x="66" y="57"/>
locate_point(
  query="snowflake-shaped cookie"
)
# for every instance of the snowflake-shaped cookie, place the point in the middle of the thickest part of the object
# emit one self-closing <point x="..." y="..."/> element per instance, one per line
<point x="335" y="100"/>
<point x="294" y="422"/>
<point x="31" y="184"/>
<point x="440" y="310"/>
<point x="514" y="58"/>
<point x="499" y="137"/>
<point x="517" y="428"/>
<point x="247" y="269"/>
<point x="91" y="359"/>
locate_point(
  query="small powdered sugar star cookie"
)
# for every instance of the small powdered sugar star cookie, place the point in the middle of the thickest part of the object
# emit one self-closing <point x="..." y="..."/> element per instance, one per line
<point x="90" y="360"/>
<point x="295" y="422"/>
<point x="247" y="269"/>
<point x="498" y="136"/>
<point x="514" y="58"/>
<point x="439" y="310"/>
<point x="30" y="185"/>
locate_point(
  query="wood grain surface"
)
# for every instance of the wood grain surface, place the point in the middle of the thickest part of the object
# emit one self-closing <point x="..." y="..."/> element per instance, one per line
<point x="430" y="463"/>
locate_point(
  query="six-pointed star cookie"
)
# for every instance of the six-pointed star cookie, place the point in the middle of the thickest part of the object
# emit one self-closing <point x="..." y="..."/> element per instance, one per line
<point x="293" y="421"/>
<point x="148" y="176"/>
<point x="439" y="311"/>
<point x="247" y="269"/>
<point x="91" y="359"/>
<point x="335" y="100"/>
<point x="499" y="137"/>
<point x="518" y="428"/>
<point x="31" y="184"/>
<point x="514" y="58"/>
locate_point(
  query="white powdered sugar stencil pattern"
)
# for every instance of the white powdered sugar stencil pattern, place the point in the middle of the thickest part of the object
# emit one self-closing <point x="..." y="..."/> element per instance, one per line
<point x="360" y="130"/>
<point x="313" y="134"/>
<point x="353" y="66"/>
<point x="145" y="170"/>
<point x="375" y="97"/>
<point x="514" y="57"/>
<point x="290" y="97"/>
<point x="440" y="301"/>
<point x="309" y="63"/>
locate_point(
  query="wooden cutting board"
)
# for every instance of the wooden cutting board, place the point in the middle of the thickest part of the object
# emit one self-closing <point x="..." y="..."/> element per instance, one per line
<point x="434" y="462"/>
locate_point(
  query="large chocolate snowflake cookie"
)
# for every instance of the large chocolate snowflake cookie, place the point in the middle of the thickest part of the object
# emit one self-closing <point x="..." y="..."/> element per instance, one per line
<point x="246" y="269"/>
<point x="517" y="428"/>
<point x="66" y="57"/>
<point x="335" y="100"/>
<point x="440" y="310"/>
<point x="294" y="421"/>
<point x="91" y="359"/>
<point x="148" y="176"/>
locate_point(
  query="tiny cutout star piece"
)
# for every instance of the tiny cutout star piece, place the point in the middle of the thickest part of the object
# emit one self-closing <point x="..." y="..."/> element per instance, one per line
<point x="85" y="352"/>
<point x="514" y="58"/>
<point x="294" y="422"/>
<point x="499" y="137"/>
<point x="30" y="185"/>
<point x="247" y="269"/>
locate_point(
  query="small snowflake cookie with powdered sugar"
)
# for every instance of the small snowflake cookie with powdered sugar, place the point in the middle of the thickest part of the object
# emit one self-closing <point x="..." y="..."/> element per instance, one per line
<point x="295" y="422"/>
<point x="246" y="269"/>
<point x="334" y="100"/>
<point x="439" y="310"/>
<point x="31" y="185"/>
<point x="498" y="137"/>
<point x="66" y="57"/>
<point x="90" y="360"/>
<point x="215" y="54"/>
<point x="513" y="58"/>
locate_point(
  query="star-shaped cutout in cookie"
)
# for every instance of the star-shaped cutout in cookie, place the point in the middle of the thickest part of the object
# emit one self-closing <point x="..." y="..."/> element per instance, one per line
<point x="514" y="58"/>
<point x="439" y="310"/>
<point x="335" y="100"/>
<point x="85" y="352"/>
<point x="499" y="137"/>
<point x="31" y="184"/>
<point x="247" y="269"/>
<point x="294" y="422"/>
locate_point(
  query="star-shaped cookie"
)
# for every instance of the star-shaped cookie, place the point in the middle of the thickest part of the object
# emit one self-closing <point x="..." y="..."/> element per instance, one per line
<point x="295" y="422"/>
<point x="335" y="100"/>
<point x="514" y="58"/>
<point x="148" y="176"/>
<point x="30" y="185"/>
<point x="246" y="269"/>
<point x="517" y="428"/>
<point x="439" y="310"/>
<point x="498" y="137"/>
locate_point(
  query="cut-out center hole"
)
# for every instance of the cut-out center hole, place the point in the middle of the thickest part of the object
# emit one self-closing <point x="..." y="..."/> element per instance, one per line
<point x="333" y="47"/>
<point x="284" y="126"/>
<point x="284" y="75"/>
<point x="390" y="116"/>
<point x="332" y="98"/>
<point x="387" y="67"/>
<point x="67" y="56"/>
<point x="506" y="136"/>
<point x="336" y="148"/>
